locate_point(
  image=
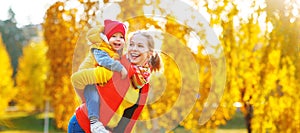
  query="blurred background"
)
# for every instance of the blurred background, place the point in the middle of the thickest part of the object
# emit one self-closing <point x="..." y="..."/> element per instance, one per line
<point x="249" y="66"/>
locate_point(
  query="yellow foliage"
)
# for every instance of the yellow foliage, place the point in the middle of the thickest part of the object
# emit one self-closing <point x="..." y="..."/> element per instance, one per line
<point x="7" y="90"/>
<point x="261" y="73"/>
<point x="31" y="77"/>
<point x="62" y="31"/>
<point x="258" y="73"/>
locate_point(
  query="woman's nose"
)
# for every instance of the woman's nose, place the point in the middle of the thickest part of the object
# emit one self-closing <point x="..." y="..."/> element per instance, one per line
<point x="134" y="47"/>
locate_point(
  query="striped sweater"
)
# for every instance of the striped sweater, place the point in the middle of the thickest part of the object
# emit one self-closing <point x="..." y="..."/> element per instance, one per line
<point x="113" y="96"/>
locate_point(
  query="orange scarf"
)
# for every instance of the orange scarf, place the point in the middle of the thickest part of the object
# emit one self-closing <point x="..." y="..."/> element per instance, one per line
<point x="141" y="75"/>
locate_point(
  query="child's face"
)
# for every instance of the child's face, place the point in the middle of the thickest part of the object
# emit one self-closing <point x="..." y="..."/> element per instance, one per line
<point x="138" y="50"/>
<point x="117" y="41"/>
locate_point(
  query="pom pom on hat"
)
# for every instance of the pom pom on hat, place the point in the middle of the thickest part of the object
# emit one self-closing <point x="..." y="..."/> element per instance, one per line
<point x="112" y="27"/>
<point x="94" y="34"/>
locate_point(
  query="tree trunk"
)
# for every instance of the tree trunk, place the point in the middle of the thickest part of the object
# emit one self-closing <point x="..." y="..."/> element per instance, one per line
<point x="248" y="116"/>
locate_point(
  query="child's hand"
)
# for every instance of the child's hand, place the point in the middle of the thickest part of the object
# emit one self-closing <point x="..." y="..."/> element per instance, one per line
<point x="123" y="73"/>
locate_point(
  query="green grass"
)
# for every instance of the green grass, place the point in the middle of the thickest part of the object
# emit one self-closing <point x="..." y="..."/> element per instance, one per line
<point x="237" y="122"/>
<point x="20" y="122"/>
<point x="235" y="125"/>
<point x="14" y="122"/>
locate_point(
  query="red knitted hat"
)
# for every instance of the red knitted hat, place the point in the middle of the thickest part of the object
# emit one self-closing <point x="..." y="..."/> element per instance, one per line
<point x="111" y="27"/>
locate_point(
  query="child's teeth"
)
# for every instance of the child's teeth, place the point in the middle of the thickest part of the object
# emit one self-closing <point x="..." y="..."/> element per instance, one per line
<point x="134" y="55"/>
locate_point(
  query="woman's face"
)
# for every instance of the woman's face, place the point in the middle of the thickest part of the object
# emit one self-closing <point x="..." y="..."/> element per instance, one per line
<point x="138" y="50"/>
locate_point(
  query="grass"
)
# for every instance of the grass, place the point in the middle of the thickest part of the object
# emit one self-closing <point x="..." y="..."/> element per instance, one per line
<point x="20" y="122"/>
<point x="235" y="125"/>
<point x="237" y="122"/>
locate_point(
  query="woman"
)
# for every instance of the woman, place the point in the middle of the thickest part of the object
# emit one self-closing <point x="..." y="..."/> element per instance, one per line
<point x="127" y="96"/>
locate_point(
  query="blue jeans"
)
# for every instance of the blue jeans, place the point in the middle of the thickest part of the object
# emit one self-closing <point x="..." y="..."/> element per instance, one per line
<point x="92" y="100"/>
<point x="74" y="126"/>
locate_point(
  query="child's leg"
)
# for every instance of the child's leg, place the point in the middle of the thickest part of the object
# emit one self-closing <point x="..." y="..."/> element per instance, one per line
<point x="84" y="82"/>
<point x="92" y="101"/>
<point x="98" y="75"/>
<point x="93" y="105"/>
<point x="86" y="79"/>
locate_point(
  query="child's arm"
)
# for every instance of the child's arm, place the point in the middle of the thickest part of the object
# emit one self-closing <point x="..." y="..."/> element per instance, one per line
<point x="103" y="59"/>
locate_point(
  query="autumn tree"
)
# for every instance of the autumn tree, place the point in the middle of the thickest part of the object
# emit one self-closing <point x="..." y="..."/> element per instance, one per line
<point x="239" y="37"/>
<point x="260" y="71"/>
<point x="180" y="93"/>
<point x="7" y="91"/>
<point x="280" y="75"/>
<point x="13" y="38"/>
<point x="63" y="25"/>
<point x="257" y="67"/>
<point x="31" y="77"/>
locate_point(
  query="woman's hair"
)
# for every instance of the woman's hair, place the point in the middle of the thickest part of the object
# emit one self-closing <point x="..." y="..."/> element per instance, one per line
<point x="154" y="60"/>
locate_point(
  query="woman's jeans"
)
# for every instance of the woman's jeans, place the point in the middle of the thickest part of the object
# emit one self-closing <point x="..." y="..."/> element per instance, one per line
<point x="92" y="101"/>
<point x="74" y="126"/>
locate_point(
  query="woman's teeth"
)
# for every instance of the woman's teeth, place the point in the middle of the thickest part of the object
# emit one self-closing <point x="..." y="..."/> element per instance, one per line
<point x="135" y="55"/>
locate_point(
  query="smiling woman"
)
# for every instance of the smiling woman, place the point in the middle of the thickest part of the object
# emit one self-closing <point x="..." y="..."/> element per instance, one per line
<point x="138" y="53"/>
<point x="129" y="95"/>
<point x="141" y="48"/>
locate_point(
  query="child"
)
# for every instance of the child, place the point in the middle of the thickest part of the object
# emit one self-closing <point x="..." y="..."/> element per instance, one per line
<point x="103" y="50"/>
